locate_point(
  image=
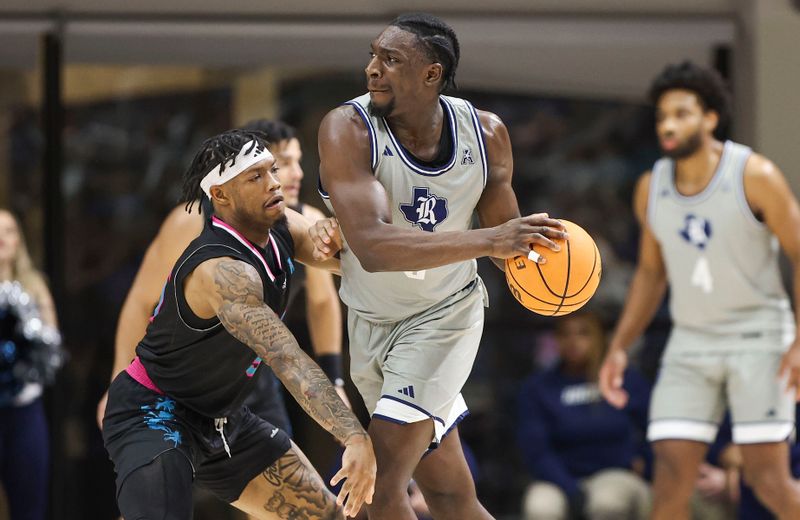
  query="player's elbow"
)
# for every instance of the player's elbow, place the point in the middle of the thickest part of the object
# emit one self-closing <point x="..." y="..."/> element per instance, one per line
<point x="371" y="254"/>
<point x="370" y="262"/>
<point x="653" y="276"/>
<point x="377" y="259"/>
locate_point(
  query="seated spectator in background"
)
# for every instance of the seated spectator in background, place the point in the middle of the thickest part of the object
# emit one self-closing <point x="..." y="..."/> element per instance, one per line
<point x="585" y="456"/>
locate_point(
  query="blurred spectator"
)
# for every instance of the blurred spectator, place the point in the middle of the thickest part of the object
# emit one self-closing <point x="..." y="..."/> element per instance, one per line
<point x="29" y="357"/>
<point x="587" y="458"/>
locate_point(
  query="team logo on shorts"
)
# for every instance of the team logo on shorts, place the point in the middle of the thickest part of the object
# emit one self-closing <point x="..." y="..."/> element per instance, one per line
<point x="160" y="416"/>
<point x="426" y="209"/>
<point x="696" y="230"/>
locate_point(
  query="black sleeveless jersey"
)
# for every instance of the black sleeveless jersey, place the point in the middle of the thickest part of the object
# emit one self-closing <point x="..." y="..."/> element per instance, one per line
<point x="299" y="274"/>
<point x="196" y="361"/>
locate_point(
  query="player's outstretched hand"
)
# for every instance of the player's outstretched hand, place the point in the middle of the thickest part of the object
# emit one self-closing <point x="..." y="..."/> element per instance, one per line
<point x="358" y="472"/>
<point x="790" y="369"/>
<point x="327" y="240"/>
<point x="611" y="374"/>
<point x="519" y="235"/>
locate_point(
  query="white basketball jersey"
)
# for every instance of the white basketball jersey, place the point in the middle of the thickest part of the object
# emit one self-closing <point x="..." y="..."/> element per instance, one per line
<point x="721" y="262"/>
<point x="423" y="198"/>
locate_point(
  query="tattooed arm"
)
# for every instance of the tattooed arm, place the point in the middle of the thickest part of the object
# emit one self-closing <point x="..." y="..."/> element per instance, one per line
<point x="232" y="290"/>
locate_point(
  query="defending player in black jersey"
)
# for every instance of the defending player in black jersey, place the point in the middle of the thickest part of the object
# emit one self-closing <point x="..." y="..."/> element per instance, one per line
<point x="175" y="414"/>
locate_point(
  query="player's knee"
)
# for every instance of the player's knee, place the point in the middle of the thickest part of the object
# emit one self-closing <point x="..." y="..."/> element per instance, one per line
<point x="161" y="489"/>
<point x="389" y="490"/>
<point x="447" y="498"/>
<point x="767" y="481"/>
<point x="672" y="465"/>
<point x="384" y="504"/>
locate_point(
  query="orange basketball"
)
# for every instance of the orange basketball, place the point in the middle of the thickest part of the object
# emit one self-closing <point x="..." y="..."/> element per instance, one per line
<point x="562" y="285"/>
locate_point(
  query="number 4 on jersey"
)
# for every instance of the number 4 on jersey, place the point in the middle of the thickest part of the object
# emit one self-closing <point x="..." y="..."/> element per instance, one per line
<point x="701" y="275"/>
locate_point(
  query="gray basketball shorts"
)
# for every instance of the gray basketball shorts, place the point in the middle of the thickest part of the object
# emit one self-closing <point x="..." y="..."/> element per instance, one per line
<point x="704" y="375"/>
<point x="413" y="370"/>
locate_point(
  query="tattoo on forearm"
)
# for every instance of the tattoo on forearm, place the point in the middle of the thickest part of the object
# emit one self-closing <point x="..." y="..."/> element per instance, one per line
<point x="298" y="493"/>
<point x="244" y="314"/>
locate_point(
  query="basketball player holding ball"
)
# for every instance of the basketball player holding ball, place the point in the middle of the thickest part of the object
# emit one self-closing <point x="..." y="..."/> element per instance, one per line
<point x="710" y="213"/>
<point x="405" y="168"/>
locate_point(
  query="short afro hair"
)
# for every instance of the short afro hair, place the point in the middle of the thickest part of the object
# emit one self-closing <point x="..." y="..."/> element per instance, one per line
<point x="707" y="84"/>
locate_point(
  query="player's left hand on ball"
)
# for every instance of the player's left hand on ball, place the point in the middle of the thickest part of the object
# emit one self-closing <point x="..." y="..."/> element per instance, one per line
<point x="790" y="369"/>
<point x="358" y="472"/>
<point x="326" y="238"/>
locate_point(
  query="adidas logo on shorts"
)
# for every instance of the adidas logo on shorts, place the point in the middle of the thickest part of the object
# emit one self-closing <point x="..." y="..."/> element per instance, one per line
<point x="409" y="391"/>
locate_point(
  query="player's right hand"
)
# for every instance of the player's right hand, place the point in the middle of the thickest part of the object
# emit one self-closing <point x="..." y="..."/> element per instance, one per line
<point x="358" y="472"/>
<point x="326" y="237"/>
<point x="518" y="236"/>
<point x="611" y="375"/>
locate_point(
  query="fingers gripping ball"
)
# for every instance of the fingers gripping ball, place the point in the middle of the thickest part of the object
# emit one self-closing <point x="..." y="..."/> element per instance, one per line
<point x="565" y="282"/>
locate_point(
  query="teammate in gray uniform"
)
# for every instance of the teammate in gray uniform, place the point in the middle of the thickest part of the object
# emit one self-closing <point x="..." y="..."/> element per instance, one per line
<point x="713" y="216"/>
<point x="406" y="168"/>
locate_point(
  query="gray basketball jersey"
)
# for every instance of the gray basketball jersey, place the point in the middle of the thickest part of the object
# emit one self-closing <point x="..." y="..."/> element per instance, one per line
<point x="721" y="262"/>
<point x="423" y="198"/>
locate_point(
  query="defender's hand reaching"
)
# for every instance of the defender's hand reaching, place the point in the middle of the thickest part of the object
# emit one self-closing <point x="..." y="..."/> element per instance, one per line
<point x="358" y="471"/>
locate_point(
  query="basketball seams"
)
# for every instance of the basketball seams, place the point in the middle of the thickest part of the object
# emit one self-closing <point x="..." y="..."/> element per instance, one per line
<point x="566" y="282"/>
<point x="547" y="285"/>
<point x="588" y="278"/>
<point x="522" y="288"/>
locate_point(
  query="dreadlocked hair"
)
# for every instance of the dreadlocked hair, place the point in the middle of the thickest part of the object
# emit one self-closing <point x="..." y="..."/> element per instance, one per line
<point x="275" y="131"/>
<point x="707" y="84"/>
<point x="438" y="39"/>
<point x="218" y="150"/>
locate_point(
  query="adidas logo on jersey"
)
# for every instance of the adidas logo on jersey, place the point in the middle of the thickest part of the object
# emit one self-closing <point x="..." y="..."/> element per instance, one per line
<point x="409" y="391"/>
<point x="388" y="151"/>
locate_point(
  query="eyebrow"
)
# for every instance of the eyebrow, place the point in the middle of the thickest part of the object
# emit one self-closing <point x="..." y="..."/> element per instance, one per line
<point x="387" y="49"/>
<point x="266" y="167"/>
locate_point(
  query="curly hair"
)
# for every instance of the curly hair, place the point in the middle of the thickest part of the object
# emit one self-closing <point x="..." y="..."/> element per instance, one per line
<point x="707" y="84"/>
<point x="438" y="39"/>
<point x="217" y="150"/>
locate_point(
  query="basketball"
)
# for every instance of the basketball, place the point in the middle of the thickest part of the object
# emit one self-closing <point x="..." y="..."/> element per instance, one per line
<point x="565" y="282"/>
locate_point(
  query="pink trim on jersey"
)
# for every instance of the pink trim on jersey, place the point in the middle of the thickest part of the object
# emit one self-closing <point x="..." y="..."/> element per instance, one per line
<point x="137" y="371"/>
<point x="222" y="225"/>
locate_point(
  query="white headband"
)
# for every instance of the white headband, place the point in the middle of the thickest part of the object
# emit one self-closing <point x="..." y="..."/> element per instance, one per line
<point x="235" y="166"/>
